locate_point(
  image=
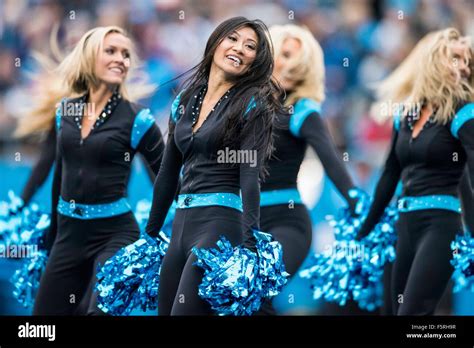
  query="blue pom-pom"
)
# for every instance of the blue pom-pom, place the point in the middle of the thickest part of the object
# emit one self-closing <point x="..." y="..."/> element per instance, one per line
<point x="24" y="226"/>
<point x="21" y="225"/>
<point x="354" y="269"/>
<point x="463" y="262"/>
<point x="26" y="279"/>
<point x="130" y="279"/>
<point x="346" y="223"/>
<point x="334" y="272"/>
<point x="236" y="279"/>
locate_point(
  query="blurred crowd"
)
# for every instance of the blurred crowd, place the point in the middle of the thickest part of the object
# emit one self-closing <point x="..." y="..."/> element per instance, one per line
<point x="363" y="40"/>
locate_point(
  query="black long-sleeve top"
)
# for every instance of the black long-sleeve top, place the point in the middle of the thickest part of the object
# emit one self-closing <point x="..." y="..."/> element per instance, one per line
<point x="42" y="167"/>
<point x="197" y="154"/>
<point x="430" y="164"/>
<point x="467" y="200"/>
<point x="45" y="162"/>
<point x="293" y="132"/>
<point x="95" y="170"/>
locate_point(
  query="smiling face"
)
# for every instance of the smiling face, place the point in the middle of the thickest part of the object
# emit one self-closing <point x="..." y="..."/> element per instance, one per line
<point x="237" y="51"/>
<point x="113" y="61"/>
<point x="289" y="50"/>
<point x="461" y="57"/>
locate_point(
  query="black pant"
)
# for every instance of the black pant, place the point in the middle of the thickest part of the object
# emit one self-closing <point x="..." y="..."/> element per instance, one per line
<point x="422" y="266"/>
<point x="386" y="308"/>
<point x="291" y="227"/>
<point x="199" y="227"/>
<point x="80" y="247"/>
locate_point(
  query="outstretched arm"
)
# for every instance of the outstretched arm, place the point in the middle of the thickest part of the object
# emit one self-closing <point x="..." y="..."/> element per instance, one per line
<point x="467" y="200"/>
<point x="42" y="167"/>
<point x="164" y="188"/>
<point x="384" y="191"/>
<point x="316" y="134"/>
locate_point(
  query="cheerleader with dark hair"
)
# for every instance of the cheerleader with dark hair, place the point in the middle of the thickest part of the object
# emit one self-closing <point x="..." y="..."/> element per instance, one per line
<point x="220" y="134"/>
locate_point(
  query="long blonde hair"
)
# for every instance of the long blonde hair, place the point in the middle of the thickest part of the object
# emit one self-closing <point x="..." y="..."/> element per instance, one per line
<point x="424" y="76"/>
<point x="74" y="76"/>
<point x="40" y="118"/>
<point x="307" y="67"/>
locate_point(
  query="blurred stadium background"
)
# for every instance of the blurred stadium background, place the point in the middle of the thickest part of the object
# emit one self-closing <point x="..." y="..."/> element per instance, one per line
<point x="363" y="40"/>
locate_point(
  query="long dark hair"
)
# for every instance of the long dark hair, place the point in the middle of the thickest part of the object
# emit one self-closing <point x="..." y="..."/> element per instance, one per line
<point x="255" y="83"/>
